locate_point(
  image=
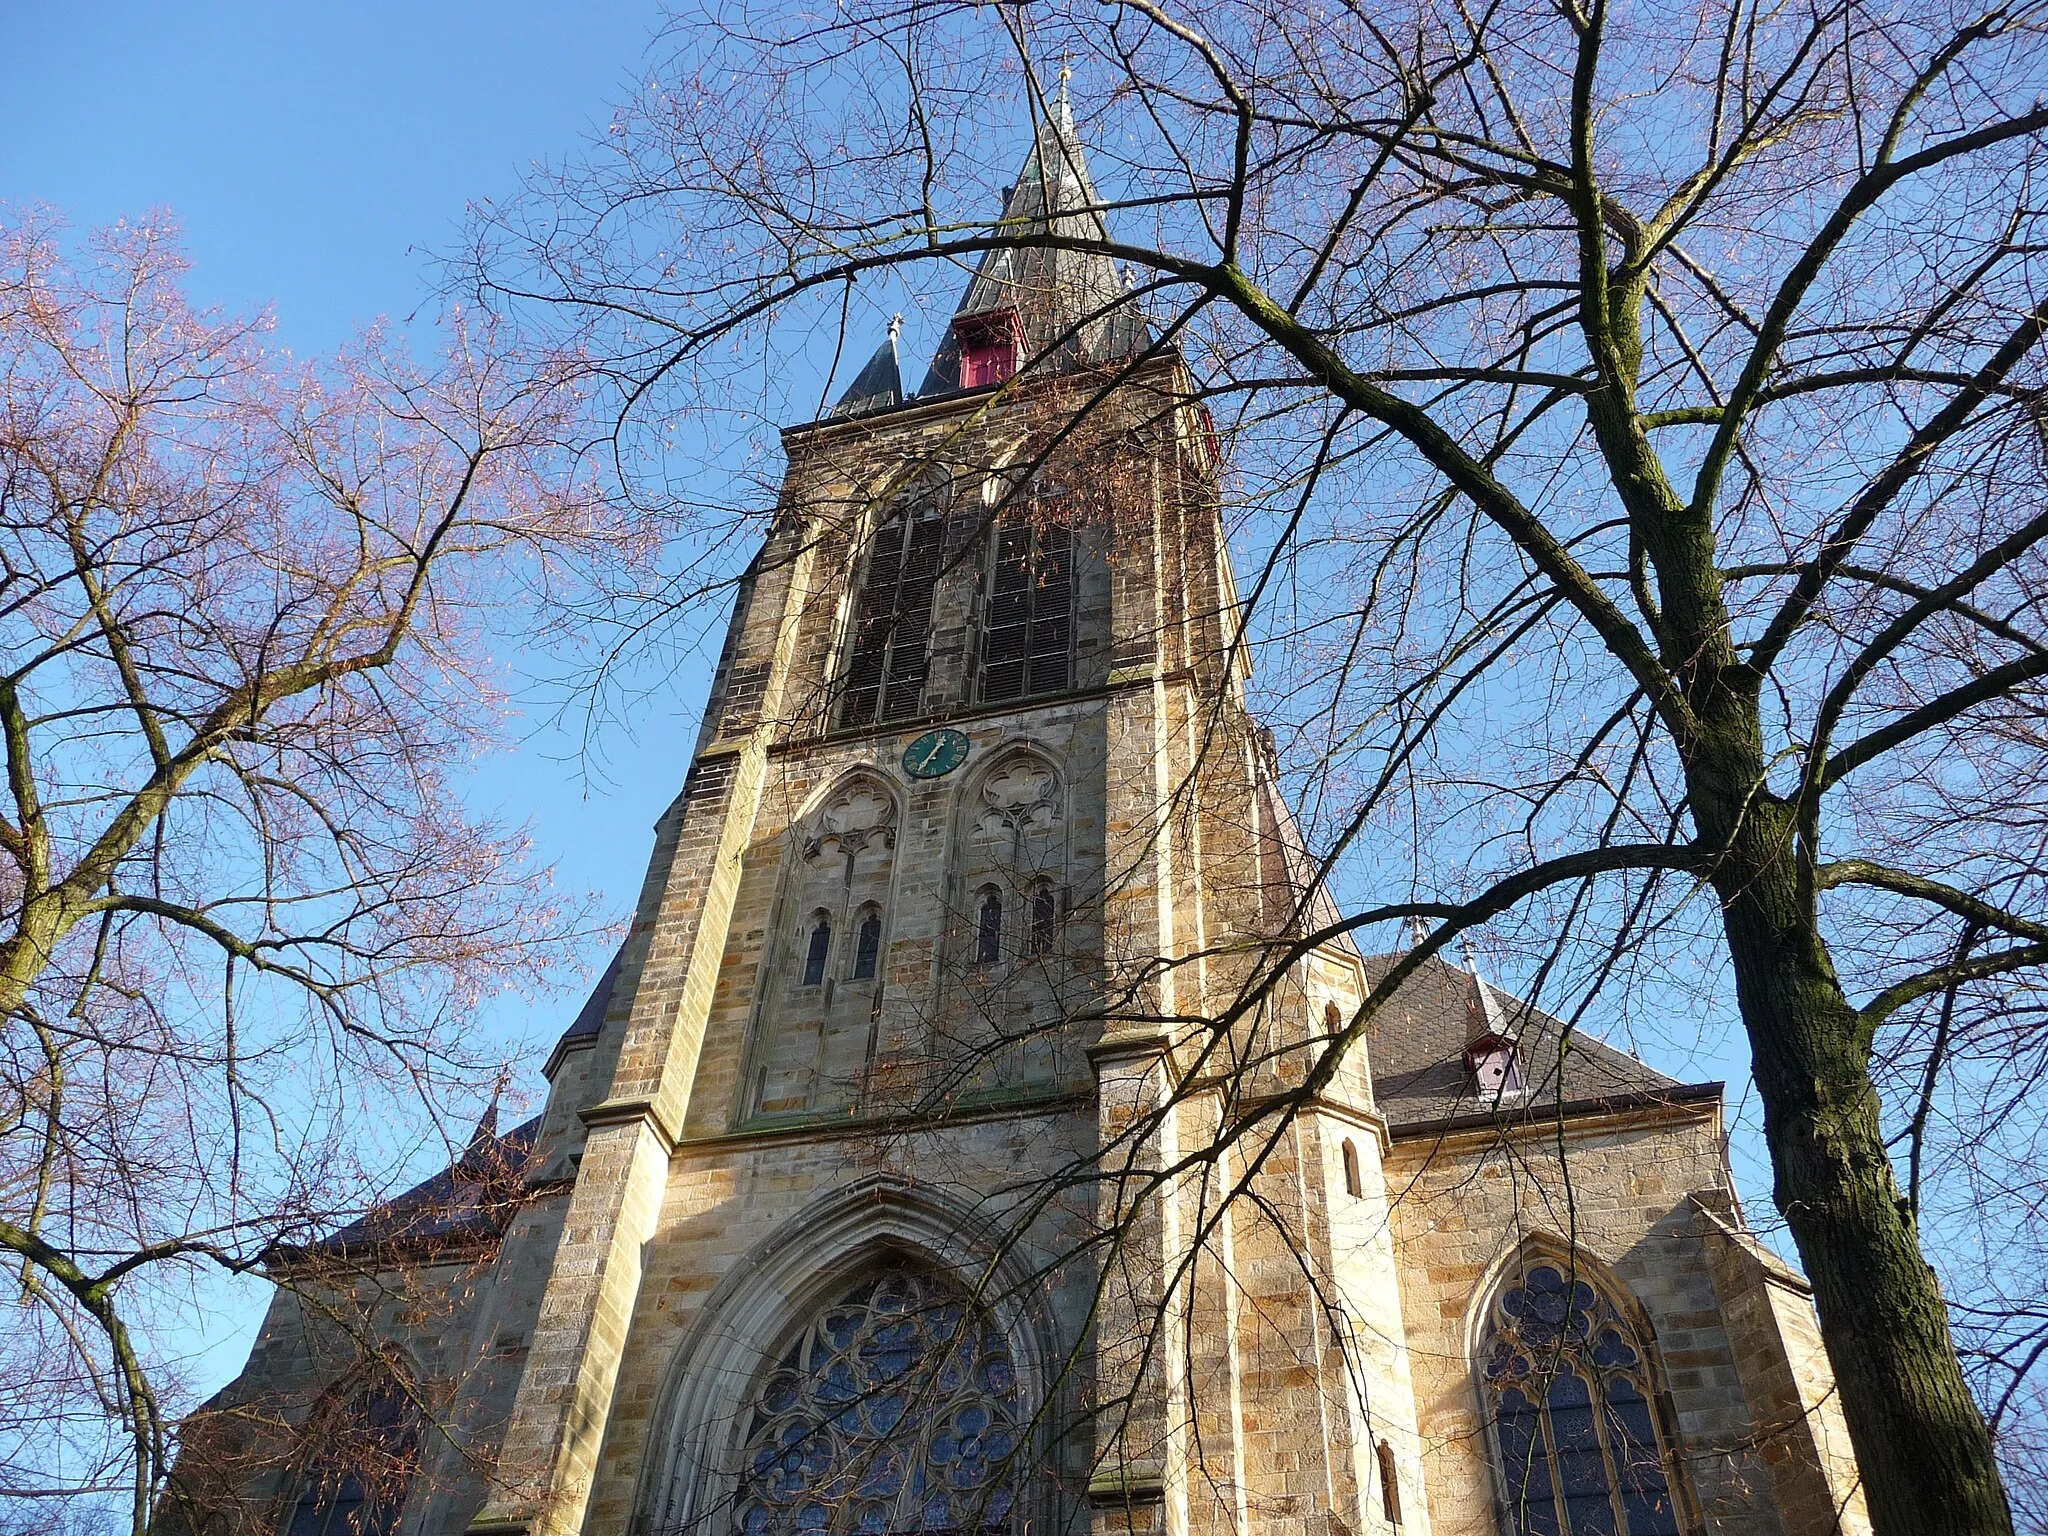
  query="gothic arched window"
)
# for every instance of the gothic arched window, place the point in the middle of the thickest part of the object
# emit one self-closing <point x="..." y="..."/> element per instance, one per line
<point x="894" y="1412"/>
<point x="867" y="947"/>
<point x="887" y="661"/>
<point x="1574" y="1415"/>
<point x="365" y="1449"/>
<point x="815" y="954"/>
<point x="1028" y="640"/>
<point x="988" y="929"/>
<point x="1045" y="919"/>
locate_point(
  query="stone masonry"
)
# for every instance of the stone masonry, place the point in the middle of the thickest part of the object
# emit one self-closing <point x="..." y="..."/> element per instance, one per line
<point x="1074" y="1077"/>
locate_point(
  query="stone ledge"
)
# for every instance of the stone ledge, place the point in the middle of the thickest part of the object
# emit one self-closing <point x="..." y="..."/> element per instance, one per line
<point x="1137" y="1482"/>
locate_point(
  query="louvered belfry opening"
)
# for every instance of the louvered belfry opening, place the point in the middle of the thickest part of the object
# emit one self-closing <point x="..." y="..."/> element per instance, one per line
<point x="892" y="624"/>
<point x="1028" y="642"/>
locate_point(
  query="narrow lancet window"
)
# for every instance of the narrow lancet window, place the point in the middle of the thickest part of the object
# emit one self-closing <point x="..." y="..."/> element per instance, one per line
<point x="815" y="955"/>
<point x="1045" y="919"/>
<point x="867" y="947"/>
<point x="1027" y="647"/>
<point x="888" y="661"/>
<point x="988" y="930"/>
<point x="1390" y="1484"/>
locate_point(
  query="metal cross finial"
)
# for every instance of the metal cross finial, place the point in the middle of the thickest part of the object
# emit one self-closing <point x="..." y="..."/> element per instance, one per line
<point x="895" y="325"/>
<point x="1471" y="958"/>
<point x="1418" y="931"/>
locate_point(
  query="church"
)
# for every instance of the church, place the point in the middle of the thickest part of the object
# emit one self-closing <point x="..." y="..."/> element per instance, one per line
<point x="988" y="1125"/>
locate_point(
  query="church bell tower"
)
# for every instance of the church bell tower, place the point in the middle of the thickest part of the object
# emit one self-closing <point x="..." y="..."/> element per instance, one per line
<point x="886" y="1212"/>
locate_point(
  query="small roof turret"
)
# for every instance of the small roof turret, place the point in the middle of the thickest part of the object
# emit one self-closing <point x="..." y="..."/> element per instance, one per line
<point x="879" y="384"/>
<point x="1074" y="304"/>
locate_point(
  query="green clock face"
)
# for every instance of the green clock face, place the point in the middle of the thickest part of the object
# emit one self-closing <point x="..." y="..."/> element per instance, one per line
<point x="935" y="754"/>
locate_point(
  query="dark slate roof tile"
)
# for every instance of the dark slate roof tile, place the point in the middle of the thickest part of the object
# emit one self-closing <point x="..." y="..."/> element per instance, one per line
<point x="1417" y="1041"/>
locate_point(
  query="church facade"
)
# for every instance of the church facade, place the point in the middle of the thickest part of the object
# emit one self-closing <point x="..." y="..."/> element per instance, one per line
<point x="955" y="1143"/>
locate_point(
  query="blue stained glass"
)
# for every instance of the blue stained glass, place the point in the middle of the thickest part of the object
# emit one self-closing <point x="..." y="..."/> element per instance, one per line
<point x="895" y="1399"/>
<point x="1645" y="1492"/>
<point x="1532" y="1506"/>
<point x="997" y="1377"/>
<point x="1576" y="1430"/>
<point x="1581" y="1465"/>
<point x="1612" y="1352"/>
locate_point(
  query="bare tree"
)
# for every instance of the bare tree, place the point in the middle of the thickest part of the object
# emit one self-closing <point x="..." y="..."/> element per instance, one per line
<point x="246" y="609"/>
<point x="1637" y="416"/>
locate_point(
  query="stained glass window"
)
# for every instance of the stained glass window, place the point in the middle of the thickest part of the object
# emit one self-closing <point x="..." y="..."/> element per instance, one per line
<point x="815" y="953"/>
<point x="1045" y="919"/>
<point x="1573" y="1414"/>
<point x="895" y="1412"/>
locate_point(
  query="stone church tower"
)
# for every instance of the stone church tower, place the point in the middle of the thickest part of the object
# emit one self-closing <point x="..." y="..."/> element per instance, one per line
<point x="950" y="1146"/>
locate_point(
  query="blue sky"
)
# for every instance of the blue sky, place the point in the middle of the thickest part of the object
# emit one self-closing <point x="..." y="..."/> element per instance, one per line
<point x="317" y="157"/>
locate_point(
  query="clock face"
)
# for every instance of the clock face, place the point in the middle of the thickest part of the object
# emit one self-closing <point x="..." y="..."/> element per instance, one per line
<point x="935" y="754"/>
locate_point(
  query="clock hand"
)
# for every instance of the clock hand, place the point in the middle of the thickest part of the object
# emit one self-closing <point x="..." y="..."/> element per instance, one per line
<point x="936" y="747"/>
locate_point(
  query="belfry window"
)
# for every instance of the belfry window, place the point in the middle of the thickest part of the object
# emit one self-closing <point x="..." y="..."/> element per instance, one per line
<point x="895" y="1412"/>
<point x="815" y="953"/>
<point x="1028" y="640"/>
<point x="1574" y="1416"/>
<point x="867" y="947"/>
<point x="892" y="619"/>
<point x="988" y="929"/>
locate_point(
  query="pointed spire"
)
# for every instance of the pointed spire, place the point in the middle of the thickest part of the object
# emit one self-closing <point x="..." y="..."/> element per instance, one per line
<point x="879" y="384"/>
<point x="1074" y="301"/>
<point x="485" y="1136"/>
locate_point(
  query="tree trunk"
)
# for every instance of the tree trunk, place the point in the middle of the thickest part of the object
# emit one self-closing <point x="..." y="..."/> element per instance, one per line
<point x="1926" y="1453"/>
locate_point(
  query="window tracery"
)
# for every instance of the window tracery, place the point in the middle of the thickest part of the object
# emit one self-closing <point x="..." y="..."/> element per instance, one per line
<point x="1021" y="798"/>
<point x="895" y="1411"/>
<point x="1575" y="1420"/>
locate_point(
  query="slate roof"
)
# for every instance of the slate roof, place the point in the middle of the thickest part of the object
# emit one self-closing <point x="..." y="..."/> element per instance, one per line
<point x="1417" y="1042"/>
<point x="471" y="1199"/>
<point x="1054" y="291"/>
<point x="590" y="1017"/>
<point x="878" y="385"/>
